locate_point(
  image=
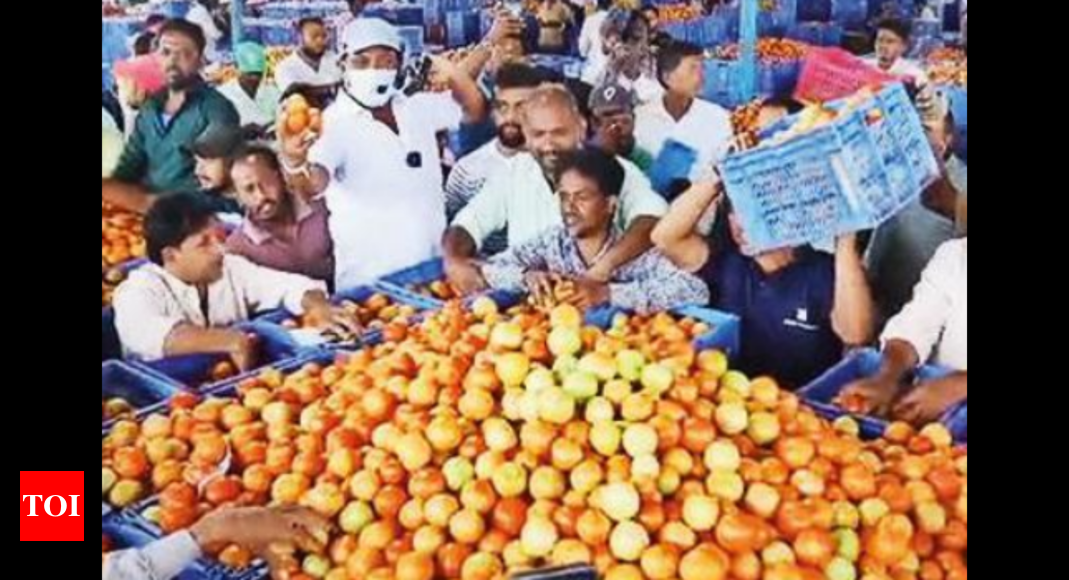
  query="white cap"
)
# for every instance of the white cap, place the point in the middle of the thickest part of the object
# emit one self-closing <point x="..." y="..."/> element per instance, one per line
<point x="364" y="33"/>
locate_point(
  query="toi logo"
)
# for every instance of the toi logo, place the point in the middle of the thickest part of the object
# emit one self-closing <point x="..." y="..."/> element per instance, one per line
<point x="51" y="505"/>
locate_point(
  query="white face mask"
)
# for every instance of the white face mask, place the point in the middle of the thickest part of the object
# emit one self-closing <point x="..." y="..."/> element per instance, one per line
<point x="371" y="88"/>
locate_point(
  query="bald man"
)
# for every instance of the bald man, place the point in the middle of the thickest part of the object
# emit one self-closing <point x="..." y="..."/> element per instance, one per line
<point x="523" y="196"/>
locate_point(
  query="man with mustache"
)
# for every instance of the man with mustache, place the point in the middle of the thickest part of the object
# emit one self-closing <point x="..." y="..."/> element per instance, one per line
<point x="281" y="231"/>
<point x="515" y="83"/>
<point x="521" y="196"/>
<point x="158" y="157"/>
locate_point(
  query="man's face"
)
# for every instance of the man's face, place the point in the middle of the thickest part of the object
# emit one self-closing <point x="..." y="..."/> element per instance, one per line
<point x="508" y="116"/>
<point x="212" y="174"/>
<point x="181" y="60"/>
<point x="375" y="58"/>
<point x="199" y="259"/>
<point x="890" y="47"/>
<point x="251" y="79"/>
<point x="586" y="210"/>
<point x="552" y="130"/>
<point x="615" y="131"/>
<point x="688" y="78"/>
<point x="314" y="39"/>
<point x="260" y="189"/>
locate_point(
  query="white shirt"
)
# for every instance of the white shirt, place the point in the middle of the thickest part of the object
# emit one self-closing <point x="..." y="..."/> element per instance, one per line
<point x="152" y="302"/>
<point x="591" y="47"/>
<point x="470" y="174"/>
<point x="163" y="559"/>
<point x="386" y="215"/>
<point x="705" y="128"/>
<point x="520" y="198"/>
<point x="295" y="70"/>
<point x="200" y="16"/>
<point x="904" y="68"/>
<point x="936" y="322"/>
<point x="259" y="111"/>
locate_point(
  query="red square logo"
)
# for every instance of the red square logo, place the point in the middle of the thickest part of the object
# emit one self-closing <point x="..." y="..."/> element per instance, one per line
<point x="49" y="501"/>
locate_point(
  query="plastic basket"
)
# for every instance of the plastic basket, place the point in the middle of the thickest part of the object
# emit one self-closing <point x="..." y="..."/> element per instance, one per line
<point x="139" y="387"/>
<point x="726" y="334"/>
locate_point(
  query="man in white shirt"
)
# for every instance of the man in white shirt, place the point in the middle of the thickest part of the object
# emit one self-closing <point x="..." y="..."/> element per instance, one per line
<point x="514" y="84"/>
<point x="523" y="197"/>
<point x="892" y="45"/>
<point x="933" y="327"/>
<point x="200" y="13"/>
<point x="682" y="121"/>
<point x="592" y="45"/>
<point x="312" y="65"/>
<point x="255" y="99"/>
<point x="378" y="161"/>
<point x="187" y="301"/>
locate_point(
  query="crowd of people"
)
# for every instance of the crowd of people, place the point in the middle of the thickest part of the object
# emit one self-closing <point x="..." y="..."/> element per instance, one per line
<point x="561" y="181"/>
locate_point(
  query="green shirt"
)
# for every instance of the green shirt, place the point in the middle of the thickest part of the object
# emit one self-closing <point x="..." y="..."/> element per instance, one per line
<point x="157" y="154"/>
<point x="642" y="159"/>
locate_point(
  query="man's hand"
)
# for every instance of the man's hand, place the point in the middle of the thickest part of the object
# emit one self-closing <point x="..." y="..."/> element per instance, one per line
<point x="541" y="286"/>
<point x="505" y="26"/>
<point x="589" y="293"/>
<point x="258" y="529"/>
<point x="335" y="321"/>
<point x="931" y="400"/>
<point x="465" y="275"/>
<point x="245" y="351"/>
<point x="869" y="396"/>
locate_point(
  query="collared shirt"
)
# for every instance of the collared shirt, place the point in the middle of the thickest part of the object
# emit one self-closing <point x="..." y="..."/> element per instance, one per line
<point x="705" y="129"/>
<point x="387" y="208"/>
<point x="467" y="180"/>
<point x="936" y="322"/>
<point x="519" y="197"/>
<point x="592" y="48"/>
<point x="650" y="283"/>
<point x="787" y="329"/>
<point x="161" y="560"/>
<point x="294" y="70"/>
<point x="157" y="154"/>
<point x="152" y="302"/>
<point x="306" y="249"/>
<point x="259" y="111"/>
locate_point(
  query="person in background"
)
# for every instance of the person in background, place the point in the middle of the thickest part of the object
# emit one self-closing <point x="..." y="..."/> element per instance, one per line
<point x="592" y="44"/>
<point x="933" y="328"/>
<point x="137" y="79"/>
<point x="515" y="83"/>
<point x="589" y="196"/>
<point x="255" y="99"/>
<point x="554" y="21"/>
<point x="189" y="298"/>
<point x="521" y="197"/>
<point x="254" y="527"/>
<point x="632" y="68"/>
<point x="312" y="64"/>
<point x="682" y="119"/>
<point x="800" y="309"/>
<point x="281" y="231"/>
<point x="892" y="45"/>
<point x="157" y="158"/>
<point x="213" y="152"/>
<point x="612" y="117"/>
<point x="383" y="189"/>
<point x="144" y="43"/>
<point x="202" y="14"/>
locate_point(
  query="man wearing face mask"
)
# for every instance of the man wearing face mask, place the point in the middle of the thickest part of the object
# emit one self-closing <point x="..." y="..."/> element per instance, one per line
<point x="377" y="160"/>
<point x="515" y="83"/>
<point x="158" y="157"/>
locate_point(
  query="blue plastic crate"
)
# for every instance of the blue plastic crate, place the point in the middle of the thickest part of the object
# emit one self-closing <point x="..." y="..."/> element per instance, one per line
<point x="462" y="28"/>
<point x="822" y="392"/>
<point x="411" y="40"/>
<point x="958" y="422"/>
<point x="959" y="107"/>
<point x="722" y="83"/>
<point x="194" y="371"/>
<point x="726" y="334"/>
<point x="851" y="14"/>
<point x="816" y="33"/>
<point x="400" y="284"/>
<point x="814" y="10"/>
<point x="141" y="388"/>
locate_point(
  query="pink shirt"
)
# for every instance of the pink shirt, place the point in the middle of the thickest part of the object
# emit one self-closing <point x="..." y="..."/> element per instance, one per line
<point x="308" y="251"/>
